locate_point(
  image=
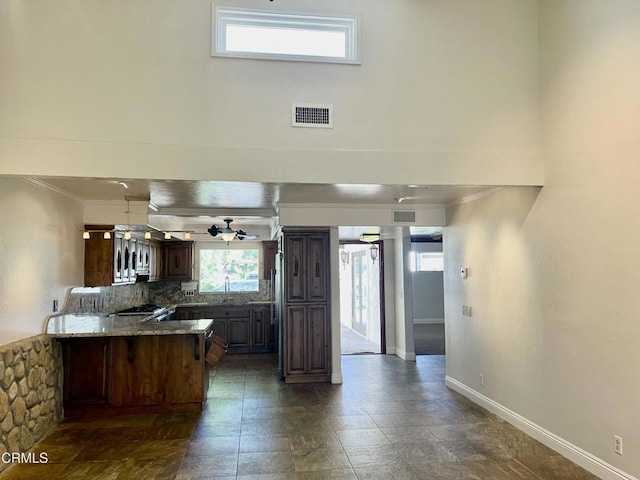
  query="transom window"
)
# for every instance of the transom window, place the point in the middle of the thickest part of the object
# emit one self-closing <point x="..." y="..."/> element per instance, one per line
<point x="285" y="35"/>
<point x="228" y="271"/>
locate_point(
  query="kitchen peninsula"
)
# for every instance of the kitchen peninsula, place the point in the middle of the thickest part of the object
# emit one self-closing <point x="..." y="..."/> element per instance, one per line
<point x="116" y="364"/>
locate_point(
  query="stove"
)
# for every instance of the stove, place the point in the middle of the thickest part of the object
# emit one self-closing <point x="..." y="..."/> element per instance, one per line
<point x="149" y="311"/>
<point x="148" y="308"/>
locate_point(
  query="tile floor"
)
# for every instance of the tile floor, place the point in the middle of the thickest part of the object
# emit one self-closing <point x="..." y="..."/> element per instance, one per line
<point x="389" y="420"/>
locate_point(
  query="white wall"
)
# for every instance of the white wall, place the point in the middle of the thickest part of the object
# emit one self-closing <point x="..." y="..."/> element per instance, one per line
<point x="41" y="255"/>
<point x="403" y="314"/>
<point x="555" y="277"/>
<point x="428" y="289"/>
<point x="128" y="88"/>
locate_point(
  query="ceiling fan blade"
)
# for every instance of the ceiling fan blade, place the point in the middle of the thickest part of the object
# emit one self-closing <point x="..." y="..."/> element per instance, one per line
<point x="242" y="235"/>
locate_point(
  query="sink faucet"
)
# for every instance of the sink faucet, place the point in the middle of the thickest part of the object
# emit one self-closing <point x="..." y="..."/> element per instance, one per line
<point x="226" y="287"/>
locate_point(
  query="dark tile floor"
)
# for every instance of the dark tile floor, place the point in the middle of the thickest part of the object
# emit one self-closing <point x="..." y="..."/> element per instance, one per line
<point x="389" y="420"/>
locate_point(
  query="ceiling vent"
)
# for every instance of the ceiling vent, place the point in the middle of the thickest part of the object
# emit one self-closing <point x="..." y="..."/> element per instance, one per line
<point x="404" y="216"/>
<point x="314" y="116"/>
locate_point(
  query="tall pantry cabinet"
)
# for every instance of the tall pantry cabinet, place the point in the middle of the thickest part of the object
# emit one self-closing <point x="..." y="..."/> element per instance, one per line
<point x="305" y="306"/>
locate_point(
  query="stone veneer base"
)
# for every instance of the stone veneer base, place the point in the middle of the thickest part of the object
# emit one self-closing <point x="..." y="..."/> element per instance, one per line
<point x="31" y="378"/>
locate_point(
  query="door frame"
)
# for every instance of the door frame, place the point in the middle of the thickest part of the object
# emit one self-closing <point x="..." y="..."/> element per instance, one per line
<point x="380" y="262"/>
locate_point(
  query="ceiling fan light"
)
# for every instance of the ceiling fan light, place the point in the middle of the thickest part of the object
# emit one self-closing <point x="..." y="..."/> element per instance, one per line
<point x="228" y="236"/>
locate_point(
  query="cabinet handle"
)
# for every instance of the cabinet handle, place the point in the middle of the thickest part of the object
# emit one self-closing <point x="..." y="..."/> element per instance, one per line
<point x="176" y="261"/>
<point x="196" y="348"/>
<point x="317" y="268"/>
<point x="295" y="266"/>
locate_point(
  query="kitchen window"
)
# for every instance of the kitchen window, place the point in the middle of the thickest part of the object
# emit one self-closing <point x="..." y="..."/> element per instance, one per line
<point x="229" y="270"/>
<point x="265" y="34"/>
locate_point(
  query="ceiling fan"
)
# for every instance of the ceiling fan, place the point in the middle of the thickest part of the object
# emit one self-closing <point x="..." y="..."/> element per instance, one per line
<point x="227" y="233"/>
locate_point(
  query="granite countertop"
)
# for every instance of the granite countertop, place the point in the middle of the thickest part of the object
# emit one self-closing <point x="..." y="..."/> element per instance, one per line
<point x="94" y="325"/>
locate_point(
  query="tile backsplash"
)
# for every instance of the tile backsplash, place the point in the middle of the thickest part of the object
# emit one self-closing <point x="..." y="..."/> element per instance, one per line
<point x="165" y="292"/>
<point x="169" y="292"/>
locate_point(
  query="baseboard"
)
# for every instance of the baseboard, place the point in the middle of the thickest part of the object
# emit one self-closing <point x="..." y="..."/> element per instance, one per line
<point x="408" y="356"/>
<point x="336" y="378"/>
<point x="428" y="321"/>
<point x="391" y="350"/>
<point x="574" y="453"/>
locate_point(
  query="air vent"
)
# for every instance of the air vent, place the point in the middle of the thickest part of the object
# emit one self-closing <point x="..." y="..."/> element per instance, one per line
<point x="315" y="116"/>
<point x="404" y="216"/>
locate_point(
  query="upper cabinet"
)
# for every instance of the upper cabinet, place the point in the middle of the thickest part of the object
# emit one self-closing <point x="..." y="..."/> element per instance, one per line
<point x="269" y="251"/>
<point x="177" y="260"/>
<point x="118" y="260"/>
<point x="306" y="267"/>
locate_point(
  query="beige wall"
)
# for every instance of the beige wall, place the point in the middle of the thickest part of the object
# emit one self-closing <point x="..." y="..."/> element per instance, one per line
<point x="554" y="276"/>
<point x="41" y="255"/>
<point x="129" y="88"/>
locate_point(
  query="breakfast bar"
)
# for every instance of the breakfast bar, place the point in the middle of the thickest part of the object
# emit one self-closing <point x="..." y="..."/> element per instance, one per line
<point x="134" y="364"/>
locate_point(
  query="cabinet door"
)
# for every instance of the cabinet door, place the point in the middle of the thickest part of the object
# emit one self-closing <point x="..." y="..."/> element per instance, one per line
<point x="178" y="261"/>
<point x="183" y="359"/>
<point x="317" y="267"/>
<point x="238" y="332"/>
<point x="86" y="371"/>
<point x="294" y="268"/>
<point x="98" y="261"/>
<point x="317" y="352"/>
<point x="269" y="250"/>
<point x="137" y="368"/>
<point x="220" y="328"/>
<point x="295" y="341"/>
<point x="259" y="325"/>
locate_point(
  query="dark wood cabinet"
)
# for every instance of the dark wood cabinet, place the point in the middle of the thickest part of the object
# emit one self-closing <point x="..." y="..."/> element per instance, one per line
<point x="307" y="343"/>
<point x="246" y="329"/>
<point x="260" y="323"/>
<point x="269" y="251"/>
<point x="137" y="366"/>
<point x="306" y="323"/>
<point x="116" y="260"/>
<point x="177" y="260"/>
<point x="86" y="372"/>
<point x="99" y="262"/>
<point x="185" y="376"/>
<point x="306" y="267"/>
<point x="155" y="373"/>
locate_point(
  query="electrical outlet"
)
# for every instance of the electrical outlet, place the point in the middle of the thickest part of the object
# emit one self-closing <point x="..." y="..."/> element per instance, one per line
<point x="481" y="380"/>
<point x="617" y="444"/>
<point x="466" y="310"/>
<point x="55" y="305"/>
